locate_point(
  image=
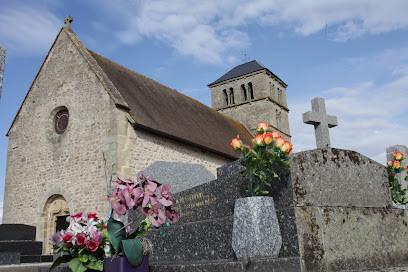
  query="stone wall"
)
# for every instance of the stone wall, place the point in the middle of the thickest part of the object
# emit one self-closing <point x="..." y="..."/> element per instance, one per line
<point x="2" y="61"/>
<point x="264" y="84"/>
<point x="42" y="164"/>
<point x="344" y="214"/>
<point x="334" y="211"/>
<point x="139" y="149"/>
<point x="260" y="110"/>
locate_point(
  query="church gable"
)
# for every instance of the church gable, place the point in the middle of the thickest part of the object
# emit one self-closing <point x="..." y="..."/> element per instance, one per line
<point x="63" y="160"/>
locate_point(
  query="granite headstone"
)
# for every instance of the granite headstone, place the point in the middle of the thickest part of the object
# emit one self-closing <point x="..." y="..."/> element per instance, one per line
<point x="180" y="176"/>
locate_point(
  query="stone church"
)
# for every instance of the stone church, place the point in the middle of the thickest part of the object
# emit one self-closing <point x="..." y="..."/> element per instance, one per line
<point x="86" y="118"/>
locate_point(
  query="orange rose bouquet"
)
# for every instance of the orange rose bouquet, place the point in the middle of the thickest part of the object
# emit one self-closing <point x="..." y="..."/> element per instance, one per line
<point x="269" y="151"/>
<point x="394" y="170"/>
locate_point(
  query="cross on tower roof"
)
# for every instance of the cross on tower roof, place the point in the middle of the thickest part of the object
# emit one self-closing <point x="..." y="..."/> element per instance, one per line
<point x="321" y="121"/>
<point x="68" y="22"/>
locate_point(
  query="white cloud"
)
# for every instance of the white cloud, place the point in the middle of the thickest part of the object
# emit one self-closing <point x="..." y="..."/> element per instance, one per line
<point x="28" y="30"/>
<point x="209" y="29"/>
<point x="370" y="118"/>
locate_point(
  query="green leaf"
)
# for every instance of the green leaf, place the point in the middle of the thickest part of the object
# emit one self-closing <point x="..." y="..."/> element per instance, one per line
<point x="133" y="250"/>
<point x="57" y="250"/>
<point x="96" y="265"/>
<point x="116" y="233"/>
<point x="83" y="258"/>
<point x="76" y="265"/>
<point x="61" y="260"/>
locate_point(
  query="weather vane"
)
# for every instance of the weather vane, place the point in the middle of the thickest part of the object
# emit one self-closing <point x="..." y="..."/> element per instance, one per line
<point x="68" y="22"/>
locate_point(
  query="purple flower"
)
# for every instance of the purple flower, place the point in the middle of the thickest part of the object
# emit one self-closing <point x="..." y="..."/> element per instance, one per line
<point x="155" y="214"/>
<point x="56" y="238"/>
<point x="172" y="215"/>
<point x="167" y="198"/>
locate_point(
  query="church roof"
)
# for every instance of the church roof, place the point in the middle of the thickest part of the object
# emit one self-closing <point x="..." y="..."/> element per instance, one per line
<point x="243" y="69"/>
<point x="240" y="70"/>
<point x="165" y="111"/>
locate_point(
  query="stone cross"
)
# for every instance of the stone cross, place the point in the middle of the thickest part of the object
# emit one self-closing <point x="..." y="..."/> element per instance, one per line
<point x="68" y="22"/>
<point x="321" y="121"/>
<point x="2" y="60"/>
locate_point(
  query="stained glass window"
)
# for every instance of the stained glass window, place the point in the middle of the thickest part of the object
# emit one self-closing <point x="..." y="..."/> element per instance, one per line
<point x="61" y="121"/>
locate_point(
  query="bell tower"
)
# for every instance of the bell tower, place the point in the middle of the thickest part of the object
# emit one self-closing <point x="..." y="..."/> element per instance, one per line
<point x="249" y="94"/>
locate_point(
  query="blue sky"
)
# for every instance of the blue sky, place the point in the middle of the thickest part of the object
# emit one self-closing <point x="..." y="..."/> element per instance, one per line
<point x="352" y="53"/>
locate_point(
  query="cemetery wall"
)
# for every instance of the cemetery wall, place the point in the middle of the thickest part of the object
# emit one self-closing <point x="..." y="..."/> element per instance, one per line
<point x="344" y="214"/>
<point x="334" y="210"/>
<point x="42" y="163"/>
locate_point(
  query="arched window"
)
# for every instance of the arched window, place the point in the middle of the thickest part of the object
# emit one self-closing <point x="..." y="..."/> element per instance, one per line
<point x="280" y="96"/>
<point x="225" y="96"/>
<point x="231" y="96"/>
<point x="244" y="91"/>
<point x="251" y="91"/>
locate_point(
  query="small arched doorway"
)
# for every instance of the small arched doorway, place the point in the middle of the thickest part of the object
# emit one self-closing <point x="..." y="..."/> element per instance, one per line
<point x="55" y="212"/>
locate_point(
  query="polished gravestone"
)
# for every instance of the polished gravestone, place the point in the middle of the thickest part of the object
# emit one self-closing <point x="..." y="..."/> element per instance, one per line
<point x="202" y="239"/>
<point x="18" y="245"/>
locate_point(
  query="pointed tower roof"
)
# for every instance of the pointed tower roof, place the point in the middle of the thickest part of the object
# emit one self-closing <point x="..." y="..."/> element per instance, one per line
<point x="243" y="69"/>
<point x="240" y="70"/>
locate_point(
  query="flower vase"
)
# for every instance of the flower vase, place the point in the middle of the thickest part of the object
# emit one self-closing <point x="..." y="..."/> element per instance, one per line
<point x="121" y="264"/>
<point x="256" y="231"/>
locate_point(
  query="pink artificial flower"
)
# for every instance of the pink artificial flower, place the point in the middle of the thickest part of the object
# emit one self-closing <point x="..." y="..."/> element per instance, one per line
<point x="149" y="195"/>
<point x="116" y="203"/>
<point x="389" y="163"/>
<point x="92" y="215"/>
<point x="261" y="127"/>
<point x="172" y="216"/>
<point x="236" y="143"/>
<point x="397" y="165"/>
<point x="398" y="156"/>
<point x="92" y="245"/>
<point x="155" y="214"/>
<point x="167" y="198"/>
<point x="67" y="238"/>
<point x="81" y="240"/>
<point x="77" y="217"/>
<point x="127" y="228"/>
<point x="96" y="236"/>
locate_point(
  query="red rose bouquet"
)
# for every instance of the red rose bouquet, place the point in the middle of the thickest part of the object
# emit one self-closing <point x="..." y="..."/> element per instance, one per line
<point x="84" y="243"/>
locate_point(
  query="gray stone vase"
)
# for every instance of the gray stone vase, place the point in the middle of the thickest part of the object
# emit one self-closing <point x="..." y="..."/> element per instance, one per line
<point x="256" y="230"/>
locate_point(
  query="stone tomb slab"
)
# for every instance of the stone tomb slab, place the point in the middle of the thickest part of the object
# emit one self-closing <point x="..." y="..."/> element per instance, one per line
<point x="180" y="176"/>
<point x="204" y="231"/>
